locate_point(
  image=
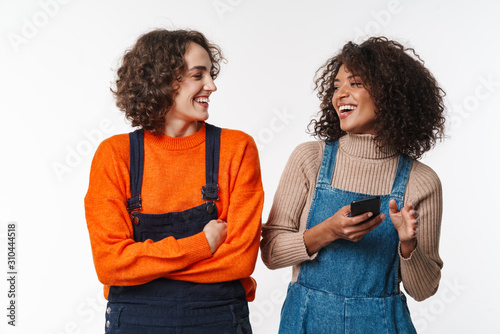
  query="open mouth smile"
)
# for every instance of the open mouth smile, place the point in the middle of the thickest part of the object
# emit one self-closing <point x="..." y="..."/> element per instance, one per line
<point x="346" y="109"/>
<point x="202" y="100"/>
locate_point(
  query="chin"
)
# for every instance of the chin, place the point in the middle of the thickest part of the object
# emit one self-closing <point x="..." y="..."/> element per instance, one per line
<point x="343" y="128"/>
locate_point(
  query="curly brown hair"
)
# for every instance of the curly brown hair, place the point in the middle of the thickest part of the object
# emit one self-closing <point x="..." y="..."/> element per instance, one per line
<point x="408" y="101"/>
<point x="144" y="85"/>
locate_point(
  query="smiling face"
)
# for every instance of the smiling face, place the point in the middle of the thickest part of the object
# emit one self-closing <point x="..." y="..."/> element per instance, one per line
<point x="353" y="103"/>
<point x="194" y="89"/>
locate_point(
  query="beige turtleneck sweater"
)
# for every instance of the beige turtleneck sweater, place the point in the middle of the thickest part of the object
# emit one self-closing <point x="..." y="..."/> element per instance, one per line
<point x="360" y="167"/>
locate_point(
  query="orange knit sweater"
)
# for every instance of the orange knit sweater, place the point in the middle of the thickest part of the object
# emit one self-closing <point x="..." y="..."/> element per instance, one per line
<point x="174" y="172"/>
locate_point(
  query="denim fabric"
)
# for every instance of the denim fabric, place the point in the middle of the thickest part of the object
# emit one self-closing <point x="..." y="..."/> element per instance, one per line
<point x="171" y="306"/>
<point x="126" y="318"/>
<point x="350" y="287"/>
<point x="178" y="224"/>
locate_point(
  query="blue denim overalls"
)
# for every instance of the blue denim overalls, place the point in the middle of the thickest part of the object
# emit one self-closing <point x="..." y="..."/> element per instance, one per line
<point x="350" y="287"/>
<point x="172" y="306"/>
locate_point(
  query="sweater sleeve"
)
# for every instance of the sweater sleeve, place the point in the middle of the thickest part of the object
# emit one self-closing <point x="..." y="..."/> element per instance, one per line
<point x="421" y="272"/>
<point x="236" y="257"/>
<point x="282" y="242"/>
<point x="118" y="259"/>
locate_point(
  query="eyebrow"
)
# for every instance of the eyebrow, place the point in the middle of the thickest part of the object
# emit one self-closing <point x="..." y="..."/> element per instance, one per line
<point x="199" y="67"/>
<point x="348" y="78"/>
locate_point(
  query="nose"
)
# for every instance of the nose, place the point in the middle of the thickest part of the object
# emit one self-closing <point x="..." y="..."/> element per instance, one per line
<point x="210" y="84"/>
<point x="339" y="94"/>
<point x="342" y="91"/>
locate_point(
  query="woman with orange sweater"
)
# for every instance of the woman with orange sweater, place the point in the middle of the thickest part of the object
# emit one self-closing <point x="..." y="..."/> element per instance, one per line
<point x="174" y="208"/>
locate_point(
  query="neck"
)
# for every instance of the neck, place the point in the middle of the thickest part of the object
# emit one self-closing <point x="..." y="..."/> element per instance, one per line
<point x="180" y="128"/>
<point x="365" y="146"/>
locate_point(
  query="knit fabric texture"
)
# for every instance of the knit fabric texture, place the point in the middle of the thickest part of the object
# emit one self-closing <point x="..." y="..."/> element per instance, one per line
<point x="360" y="167"/>
<point x="174" y="172"/>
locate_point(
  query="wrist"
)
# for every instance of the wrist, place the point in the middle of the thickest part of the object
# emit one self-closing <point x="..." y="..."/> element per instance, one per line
<point x="407" y="247"/>
<point x="317" y="237"/>
<point x="409" y="242"/>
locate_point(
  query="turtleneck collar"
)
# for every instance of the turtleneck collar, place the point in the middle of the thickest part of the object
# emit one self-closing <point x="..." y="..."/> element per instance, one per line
<point x="364" y="146"/>
<point x="177" y="143"/>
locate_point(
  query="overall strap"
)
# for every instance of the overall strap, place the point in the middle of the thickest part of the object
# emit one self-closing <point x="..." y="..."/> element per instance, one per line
<point x="212" y="147"/>
<point x="328" y="163"/>
<point x="402" y="174"/>
<point x="136" y="139"/>
<point x="212" y="151"/>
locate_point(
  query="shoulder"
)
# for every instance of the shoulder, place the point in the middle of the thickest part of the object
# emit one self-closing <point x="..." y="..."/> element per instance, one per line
<point x="236" y="137"/>
<point x="237" y="145"/>
<point x="110" y="166"/>
<point x="313" y="147"/>
<point x="239" y="149"/>
<point x="115" y="146"/>
<point x="116" y="141"/>
<point x="308" y="154"/>
<point x="424" y="174"/>
<point x="305" y="160"/>
<point x="423" y="181"/>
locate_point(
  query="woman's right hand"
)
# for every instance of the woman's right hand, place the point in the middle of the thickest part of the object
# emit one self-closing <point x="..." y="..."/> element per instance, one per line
<point x="340" y="226"/>
<point x="216" y="232"/>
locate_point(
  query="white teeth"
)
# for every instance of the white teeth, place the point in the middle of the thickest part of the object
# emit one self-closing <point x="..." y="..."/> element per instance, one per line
<point x="347" y="107"/>
<point x="202" y="99"/>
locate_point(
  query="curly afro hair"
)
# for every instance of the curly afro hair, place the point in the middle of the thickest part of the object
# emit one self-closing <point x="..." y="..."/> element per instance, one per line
<point x="144" y="85"/>
<point x="408" y="101"/>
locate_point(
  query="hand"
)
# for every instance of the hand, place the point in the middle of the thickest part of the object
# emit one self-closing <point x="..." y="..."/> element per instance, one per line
<point x="340" y="226"/>
<point x="352" y="228"/>
<point x="406" y="223"/>
<point x="216" y="233"/>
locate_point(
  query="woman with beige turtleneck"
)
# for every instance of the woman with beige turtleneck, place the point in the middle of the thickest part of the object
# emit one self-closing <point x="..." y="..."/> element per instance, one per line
<point x="381" y="109"/>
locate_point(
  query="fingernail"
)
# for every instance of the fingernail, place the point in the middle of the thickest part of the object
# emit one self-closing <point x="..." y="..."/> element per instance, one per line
<point x="370" y="214"/>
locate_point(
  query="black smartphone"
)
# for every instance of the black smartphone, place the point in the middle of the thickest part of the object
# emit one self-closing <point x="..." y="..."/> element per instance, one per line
<point x="369" y="204"/>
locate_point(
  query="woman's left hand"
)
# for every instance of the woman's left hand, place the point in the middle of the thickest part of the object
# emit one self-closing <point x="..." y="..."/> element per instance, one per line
<point x="406" y="223"/>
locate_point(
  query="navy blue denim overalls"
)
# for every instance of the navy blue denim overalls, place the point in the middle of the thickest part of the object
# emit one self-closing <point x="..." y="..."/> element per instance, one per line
<point x="171" y="306"/>
<point x="350" y="287"/>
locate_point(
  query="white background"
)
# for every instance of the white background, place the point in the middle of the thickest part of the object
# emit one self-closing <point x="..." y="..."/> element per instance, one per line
<point x="58" y="59"/>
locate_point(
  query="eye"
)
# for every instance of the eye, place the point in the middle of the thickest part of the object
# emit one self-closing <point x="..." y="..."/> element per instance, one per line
<point x="198" y="76"/>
